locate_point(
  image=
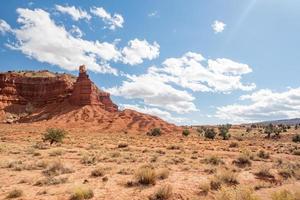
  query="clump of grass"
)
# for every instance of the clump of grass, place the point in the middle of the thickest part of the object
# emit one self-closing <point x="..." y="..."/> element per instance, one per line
<point x="243" y="160"/>
<point x="163" y="173"/>
<point x="296" y="152"/>
<point x="51" y="181"/>
<point x="98" y="172"/>
<point x="213" y="160"/>
<point x="238" y="193"/>
<point x="264" y="173"/>
<point x="15" y="193"/>
<point x="204" y="188"/>
<point x="56" y="152"/>
<point x="56" y="168"/>
<point x="146" y="175"/>
<point x="263" y="154"/>
<point x="233" y="145"/>
<point x="122" y="145"/>
<point x="226" y="177"/>
<point x="81" y="193"/>
<point x="88" y="159"/>
<point x="163" y="193"/>
<point x="285" y="195"/>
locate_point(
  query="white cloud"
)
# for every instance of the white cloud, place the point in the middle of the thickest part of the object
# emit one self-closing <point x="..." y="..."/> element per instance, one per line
<point x="156" y="112"/>
<point x="76" y="31"/>
<point x="75" y="13"/>
<point x="263" y="105"/>
<point x="218" y="26"/>
<point x="226" y="66"/>
<point x="4" y="27"/>
<point x="155" y="92"/>
<point x="40" y="38"/>
<point x="157" y="86"/>
<point x="153" y="14"/>
<point x="113" y="21"/>
<point x="138" y="50"/>
<point x="220" y="75"/>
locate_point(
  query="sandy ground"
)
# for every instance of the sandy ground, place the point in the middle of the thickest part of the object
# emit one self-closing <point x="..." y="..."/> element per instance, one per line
<point x="187" y="163"/>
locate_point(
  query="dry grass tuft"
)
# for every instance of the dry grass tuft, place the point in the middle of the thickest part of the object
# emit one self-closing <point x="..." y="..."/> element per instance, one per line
<point x="15" y="193"/>
<point x="163" y="193"/>
<point x="146" y="175"/>
<point x="81" y="193"/>
<point x="237" y="193"/>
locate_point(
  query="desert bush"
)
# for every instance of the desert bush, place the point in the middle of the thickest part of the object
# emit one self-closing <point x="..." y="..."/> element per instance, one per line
<point x="163" y="173"/>
<point x="210" y="133"/>
<point x="224" y="131"/>
<point x="163" y="193"/>
<point x="81" y="193"/>
<point x="146" y="175"/>
<point x="54" y="135"/>
<point x="238" y="193"/>
<point x="213" y="160"/>
<point x="284" y="195"/>
<point x="263" y="154"/>
<point x="243" y="160"/>
<point x="296" y="138"/>
<point x="270" y="128"/>
<point x="264" y="173"/>
<point x="154" y="132"/>
<point x="226" y="177"/>
<point x="98" y="172"/>
<point x="185" y="132"/>
<point x="15" y="193"/>
<point x="56" y="168"/>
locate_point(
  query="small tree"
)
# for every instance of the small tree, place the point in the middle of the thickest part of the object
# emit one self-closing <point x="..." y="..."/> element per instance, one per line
<point x="209" y="133"/>
<point x="54" y="135"/>
<point x="270" y="128"/>
<point x="223" y="131"/>
<point x="185" y="132"/>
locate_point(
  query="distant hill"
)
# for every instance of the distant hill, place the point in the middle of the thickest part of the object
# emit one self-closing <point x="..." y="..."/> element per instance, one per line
<point x="282" y="121"/>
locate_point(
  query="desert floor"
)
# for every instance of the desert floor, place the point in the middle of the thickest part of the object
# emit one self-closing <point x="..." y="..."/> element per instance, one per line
<point x="108" y="163"/>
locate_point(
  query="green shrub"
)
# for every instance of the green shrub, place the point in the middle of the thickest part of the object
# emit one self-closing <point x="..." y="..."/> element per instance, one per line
<point x="210" y="133"/>
<point x="54" y="135"/>
<point x="185" y="132"/>
<point x="224" y="131"/>
<point x="154" y="132"/>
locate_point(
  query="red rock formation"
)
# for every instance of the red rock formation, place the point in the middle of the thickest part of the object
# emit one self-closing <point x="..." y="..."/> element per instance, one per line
<point x="86" y="93"/>
<point x="18" y="88"/>
<point x="60" y="99"/>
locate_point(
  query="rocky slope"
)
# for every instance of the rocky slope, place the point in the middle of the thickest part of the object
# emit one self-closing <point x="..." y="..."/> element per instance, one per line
<point x="62" y="99"/>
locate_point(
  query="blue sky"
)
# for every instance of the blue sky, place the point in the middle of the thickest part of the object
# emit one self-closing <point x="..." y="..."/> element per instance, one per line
<point x="201" y="62"/>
